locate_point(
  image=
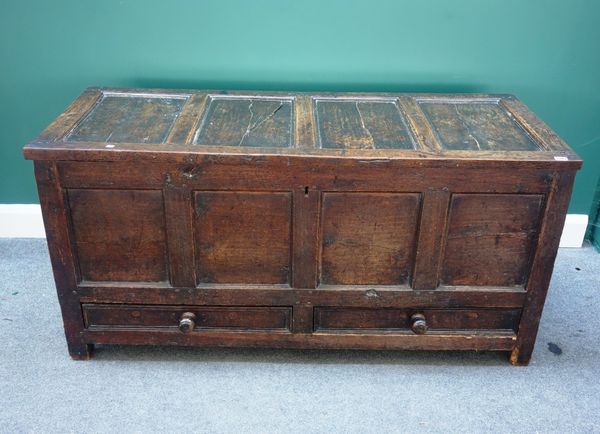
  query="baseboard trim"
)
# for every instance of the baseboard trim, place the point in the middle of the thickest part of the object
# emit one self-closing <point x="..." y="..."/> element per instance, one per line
<point x="25" y="221"/>
<point x="21" y="221"/>
<point x="574" y="230"/>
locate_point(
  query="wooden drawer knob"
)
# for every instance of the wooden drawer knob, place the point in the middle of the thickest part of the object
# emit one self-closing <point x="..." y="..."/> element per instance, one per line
<point x="418" y="324"/>
<point x="187" y="322"/>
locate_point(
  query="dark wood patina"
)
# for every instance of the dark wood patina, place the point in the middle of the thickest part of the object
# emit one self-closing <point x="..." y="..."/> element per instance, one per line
<point x="369" y="221"/>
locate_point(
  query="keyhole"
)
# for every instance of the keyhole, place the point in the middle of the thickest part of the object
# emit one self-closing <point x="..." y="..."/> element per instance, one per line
<point x="306" y="191"/>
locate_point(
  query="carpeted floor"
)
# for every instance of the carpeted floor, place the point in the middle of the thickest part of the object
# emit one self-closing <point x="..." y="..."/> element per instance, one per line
<point x="146" y="389"/>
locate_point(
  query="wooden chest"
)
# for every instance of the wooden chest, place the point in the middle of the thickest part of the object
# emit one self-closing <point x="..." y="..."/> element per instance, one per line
<point x="368" y="221"/>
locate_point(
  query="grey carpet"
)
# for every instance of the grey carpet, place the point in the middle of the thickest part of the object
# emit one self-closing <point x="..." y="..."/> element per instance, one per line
<point x="157" y="389"/>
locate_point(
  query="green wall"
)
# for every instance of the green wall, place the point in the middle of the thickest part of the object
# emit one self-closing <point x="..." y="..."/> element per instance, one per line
<point x="545" y="52"/>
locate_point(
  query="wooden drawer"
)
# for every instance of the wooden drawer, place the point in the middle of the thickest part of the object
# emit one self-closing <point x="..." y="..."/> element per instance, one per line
<point x="340" y="318"/>
<point x="102" y="316"/>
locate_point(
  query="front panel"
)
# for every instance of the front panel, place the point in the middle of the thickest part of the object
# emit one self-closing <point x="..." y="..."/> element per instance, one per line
<point x="242" y="237"/>
<point x="359" y="237"/>
<point x="368" y="238"/>
<point x="119" y="235"/>
<point x="490" y="239"/>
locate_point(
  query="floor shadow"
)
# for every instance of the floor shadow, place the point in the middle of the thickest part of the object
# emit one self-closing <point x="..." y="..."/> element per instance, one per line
<point x="144" y="353"/>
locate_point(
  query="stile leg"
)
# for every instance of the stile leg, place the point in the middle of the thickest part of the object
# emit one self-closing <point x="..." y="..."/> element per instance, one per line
<point x="521" y="356"/>
<point x="79" y="351"/>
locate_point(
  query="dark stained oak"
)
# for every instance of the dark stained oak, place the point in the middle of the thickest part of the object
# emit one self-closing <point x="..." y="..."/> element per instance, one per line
<point x="487" y="340"/>
<point x="436" y="319"/>
<point x="118" y="118"/>
<point x="305" y="245"/>
<point x="119" y="235"/>
<point x="368" y="238"/>
<point x="490" y="239"/>
<point x="296" y="220"/>
<point x="149" y="317"/>
<point x="54" y="211"/>
<point x="253" y="246"/>
<point x="361" y="124"/>
<point x="255" y="122"/>
<point x="430" y="243"/>
<point x="476" y="126"/>
<point x="557" y="203"/>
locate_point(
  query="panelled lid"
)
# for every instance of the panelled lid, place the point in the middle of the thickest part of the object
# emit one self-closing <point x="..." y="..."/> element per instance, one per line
<point x="108" y="124"/>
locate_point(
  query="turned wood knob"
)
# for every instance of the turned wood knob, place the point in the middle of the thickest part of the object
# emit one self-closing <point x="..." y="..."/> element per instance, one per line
<point x="418" y="324"/>
<point x="187" y="322"/>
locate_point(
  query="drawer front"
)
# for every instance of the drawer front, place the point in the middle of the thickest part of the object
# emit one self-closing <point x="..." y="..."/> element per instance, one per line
<point x="334" y="318"/>
<point x="205" y="317"/>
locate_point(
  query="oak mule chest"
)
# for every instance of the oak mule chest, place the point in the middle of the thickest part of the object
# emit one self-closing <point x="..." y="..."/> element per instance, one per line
<point x="367" y="221"/>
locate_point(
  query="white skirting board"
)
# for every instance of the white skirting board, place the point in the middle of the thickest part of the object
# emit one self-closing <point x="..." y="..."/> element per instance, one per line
<point x="574" y="230"/>
<point x="25" y="221"/>
<point x="21" y="221"/>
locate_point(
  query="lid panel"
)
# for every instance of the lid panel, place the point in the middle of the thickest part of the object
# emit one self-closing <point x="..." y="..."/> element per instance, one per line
<point x="361" y="124"/>
<point x="246" y="121"/>
<point x="417" y="129"/>
<point x="476" y="126"/>
<point x="129" y="118"/>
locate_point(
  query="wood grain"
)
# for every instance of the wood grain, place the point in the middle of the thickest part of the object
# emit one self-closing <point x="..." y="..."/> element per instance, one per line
<point x="430" y="245"/>
<point x="99" y="316"/>
<point x="253" y="246"/>
<point x="56" y="217"/>
<point x="119" y="235"/>
<point x="251" y="122"/>
<point x="478" y="341"/>
<point x="305" y="245"/>
<point x="361" y="124"/>
<point x="399" y="319"/>
<point x="368" y="238"/>
<point x="504" y="128"/>
<point x="179" y="225"/>
<point x="120" y="118"/>
<point x="490" y="239"/>
<point x="542" y="266"/>
<point x="476" y="126"/>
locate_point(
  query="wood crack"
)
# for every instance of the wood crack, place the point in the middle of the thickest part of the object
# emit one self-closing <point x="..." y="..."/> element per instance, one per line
<point x="364" y="127"/>
<point x="469" y="132"/>
<point x="251" y="127"/>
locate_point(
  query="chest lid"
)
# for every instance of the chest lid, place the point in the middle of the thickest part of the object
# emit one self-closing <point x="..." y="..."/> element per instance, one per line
<point x="111" y="124"/>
